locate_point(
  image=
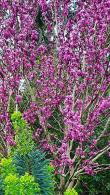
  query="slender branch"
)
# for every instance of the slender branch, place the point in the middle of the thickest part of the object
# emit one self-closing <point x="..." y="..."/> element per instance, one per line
<point x="56" y="26"/>
<point x="73" y="96"/>
<point x="53" y="127"/>
<point x="77" y="172"/>
<point x="9" y="100"/>
<point x="100" y="154"/>
<point x="105" y="129"/>
<point x="30" y="90"/>
<point x="102" y="169"/>
<point x="78" y="181"/>
<point x="57" y="122"/>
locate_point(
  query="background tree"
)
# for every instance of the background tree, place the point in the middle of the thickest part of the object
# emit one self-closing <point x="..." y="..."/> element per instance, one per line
<point x="66" y="81"/>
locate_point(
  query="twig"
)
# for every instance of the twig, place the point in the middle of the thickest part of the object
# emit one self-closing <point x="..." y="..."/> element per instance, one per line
<point x="105" y="129"/>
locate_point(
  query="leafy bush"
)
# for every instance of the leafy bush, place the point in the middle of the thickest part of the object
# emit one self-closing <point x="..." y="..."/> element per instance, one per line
<point x="6" y="167"/>
<point x="21" y="185"/>
<point x="70" y="192"/>
<point x="1" y="187"/>
<point x="35" y="163"/>
<point x="26" y="171"/>
<point x="26" y="174"/>
<point x="12" y="184"/>
<point x="23" y="137"/>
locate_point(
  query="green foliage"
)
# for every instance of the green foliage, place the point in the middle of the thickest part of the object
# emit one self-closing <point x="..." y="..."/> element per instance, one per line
<point x="70" y="192"/>
<point x="1" y="187"/>
<point x="27" y="172"/>
<point x="6" y="167"/>
<point x="98" y="184"/>
<point x="21" y="185"/>
<point x="50" y="168"/>
<point x="56" y="125"/>
<point x="11" y="185"/>
<point x="18" y="122"/>
<point x="38" y="60"/>
<point x="24" y="142"/>
<point x="23" y="136"/>
<point x="28" y="185"/>
<point x="16" y="116"/>
<point x="35" y="164"/>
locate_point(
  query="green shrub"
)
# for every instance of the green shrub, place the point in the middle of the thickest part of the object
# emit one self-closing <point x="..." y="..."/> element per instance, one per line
<point x="23" y="185"/>
<point x="22" y="175"/>
<point x="11" y="185"/>
<point x="1" y="187"/>
<point x="6" y="167"/>
<point x="23" y="137"/>
<point x="27" y="159"/>
<point x="35" y="164"/>
<point x="28" y="185"/>
<point x="26" y="171"/>
<point x="70" y="192"/>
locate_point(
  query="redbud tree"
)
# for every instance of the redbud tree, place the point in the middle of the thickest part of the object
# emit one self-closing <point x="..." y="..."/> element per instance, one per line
<point x="54" y="68"/>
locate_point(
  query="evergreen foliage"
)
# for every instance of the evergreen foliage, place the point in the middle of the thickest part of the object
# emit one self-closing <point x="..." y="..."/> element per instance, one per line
<point x="1" y="187"/>
<point x="26" y="174"/>
<point x="34" y="163"/>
